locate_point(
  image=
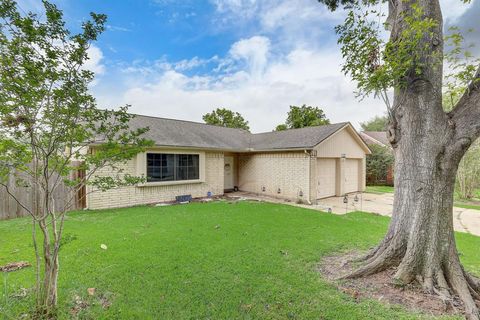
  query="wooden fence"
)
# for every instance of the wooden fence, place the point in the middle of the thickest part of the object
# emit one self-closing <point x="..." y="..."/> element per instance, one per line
<point x="10" y="208"/>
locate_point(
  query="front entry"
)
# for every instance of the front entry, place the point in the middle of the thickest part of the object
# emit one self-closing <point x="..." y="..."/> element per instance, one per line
<point x="229" y="173"/>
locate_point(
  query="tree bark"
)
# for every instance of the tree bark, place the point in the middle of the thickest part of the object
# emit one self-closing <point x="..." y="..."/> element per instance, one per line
<point x="47" y="296"/>
<point x="428" y="145"/>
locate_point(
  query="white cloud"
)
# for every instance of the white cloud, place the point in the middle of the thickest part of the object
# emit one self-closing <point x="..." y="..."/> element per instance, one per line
<point x="254" y="51"/>
<point x="94" y="62"/>
<point x="453" y="9"/>
<point x="117" y="28"/>
<point x="262" y="88"/>
<point x="300" y="22"/>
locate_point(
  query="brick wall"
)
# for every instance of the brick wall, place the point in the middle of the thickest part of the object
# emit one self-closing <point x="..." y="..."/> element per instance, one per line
<point x="137" y="195"/>
<point x="289" y="171"/>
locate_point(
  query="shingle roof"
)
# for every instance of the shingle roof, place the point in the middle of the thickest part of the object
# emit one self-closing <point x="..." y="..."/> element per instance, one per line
<point x="375" y="137"/>
<point x="180" y="133"/>
<point x="295" y="138"/>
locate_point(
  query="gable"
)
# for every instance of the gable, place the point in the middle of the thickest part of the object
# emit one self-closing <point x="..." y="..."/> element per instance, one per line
<point x="376" y="137"/>
<point x="343" y="142"/>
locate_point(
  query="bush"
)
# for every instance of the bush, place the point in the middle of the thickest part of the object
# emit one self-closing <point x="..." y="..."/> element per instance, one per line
<point x="378" y="163"/>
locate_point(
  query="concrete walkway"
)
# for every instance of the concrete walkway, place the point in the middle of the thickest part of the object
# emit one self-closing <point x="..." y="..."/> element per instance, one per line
<point x="464" y="220"/>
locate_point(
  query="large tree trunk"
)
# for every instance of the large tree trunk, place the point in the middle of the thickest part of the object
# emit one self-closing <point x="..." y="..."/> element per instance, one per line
<point x="420" y="241"/>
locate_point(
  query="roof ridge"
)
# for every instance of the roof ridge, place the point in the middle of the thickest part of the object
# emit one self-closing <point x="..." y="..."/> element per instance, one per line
<point x="243" y="130"/>
<point x="309" y="127"/>
<point x="189" y="121"/>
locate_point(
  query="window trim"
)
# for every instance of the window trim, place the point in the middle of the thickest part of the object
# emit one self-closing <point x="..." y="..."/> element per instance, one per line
<point x="142" y="167"/>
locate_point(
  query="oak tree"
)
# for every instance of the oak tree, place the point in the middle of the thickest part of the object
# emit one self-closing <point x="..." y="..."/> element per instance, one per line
<point x="303" y="116"/>
<point x="226" y="118"/>
<point x="377" y="123"/>
<point x="428" y="142"/>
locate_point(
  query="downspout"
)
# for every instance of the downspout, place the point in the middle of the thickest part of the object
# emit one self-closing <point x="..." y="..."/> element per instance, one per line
<point x="309" y="156"/>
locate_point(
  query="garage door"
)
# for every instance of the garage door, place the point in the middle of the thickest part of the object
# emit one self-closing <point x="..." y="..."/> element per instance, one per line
<point x="351" y="175"/>
<point x="326" y="173"/>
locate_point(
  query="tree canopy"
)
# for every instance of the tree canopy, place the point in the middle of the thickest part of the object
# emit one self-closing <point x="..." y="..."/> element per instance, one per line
<point x="226" y="118"/>
<point x="303" y="116"/>
<point x="377" y="123"/>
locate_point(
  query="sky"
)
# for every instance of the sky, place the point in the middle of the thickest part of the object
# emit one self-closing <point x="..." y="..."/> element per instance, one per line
<point x="183" y="58"/>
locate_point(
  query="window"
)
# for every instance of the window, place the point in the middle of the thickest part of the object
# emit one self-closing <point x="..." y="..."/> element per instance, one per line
<point x="172" y="167"/>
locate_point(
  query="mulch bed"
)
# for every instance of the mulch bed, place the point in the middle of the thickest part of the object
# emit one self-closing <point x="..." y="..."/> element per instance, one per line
<point x="380" y="287"/>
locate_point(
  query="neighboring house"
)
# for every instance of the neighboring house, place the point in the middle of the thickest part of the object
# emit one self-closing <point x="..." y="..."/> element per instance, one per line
<point x="379" y="138"/>
<point x="197" y="159"/>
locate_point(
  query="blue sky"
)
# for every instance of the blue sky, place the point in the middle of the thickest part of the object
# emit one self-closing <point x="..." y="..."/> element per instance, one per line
<point x="181" y="59"/>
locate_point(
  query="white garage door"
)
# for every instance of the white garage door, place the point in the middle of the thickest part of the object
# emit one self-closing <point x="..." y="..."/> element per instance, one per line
<point x="351" y="175"/>
<point x="326" y="172"/>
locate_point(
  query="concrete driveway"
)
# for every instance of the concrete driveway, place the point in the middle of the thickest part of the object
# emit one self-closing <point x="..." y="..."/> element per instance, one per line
<point x="464" y="220"/>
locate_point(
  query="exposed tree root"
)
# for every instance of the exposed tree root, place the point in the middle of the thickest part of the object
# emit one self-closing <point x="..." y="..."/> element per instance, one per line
<point x="444" y="279"/>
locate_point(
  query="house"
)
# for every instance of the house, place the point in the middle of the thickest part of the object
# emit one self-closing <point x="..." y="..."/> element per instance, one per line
<point x="376" y="137"/>
<point x="379" y="138"/>
<point x="197" y="159"/>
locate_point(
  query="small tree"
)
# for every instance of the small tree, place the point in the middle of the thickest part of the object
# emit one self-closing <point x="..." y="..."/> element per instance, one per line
<point x="303" y="116"/>
<point x="378" y="162"/>
<point x="377" y="123"/>
<point x="226" y="118"/>
<point x="48" y="119"/>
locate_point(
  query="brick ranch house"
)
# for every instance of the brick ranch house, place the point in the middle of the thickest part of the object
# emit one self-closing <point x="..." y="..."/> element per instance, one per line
<point x="197" y="159"/>
<point x="379" y="138"/>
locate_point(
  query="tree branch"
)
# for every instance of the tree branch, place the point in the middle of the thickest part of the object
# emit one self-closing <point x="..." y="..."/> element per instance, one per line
<point x="466" y="114"/>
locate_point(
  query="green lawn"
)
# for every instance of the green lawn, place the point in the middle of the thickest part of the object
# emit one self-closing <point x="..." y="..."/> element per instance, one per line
<point x="245" y="260"/>
<point x="466" y="205"/>
<point x="458" y="203"/>
<point x="379" y="189"/>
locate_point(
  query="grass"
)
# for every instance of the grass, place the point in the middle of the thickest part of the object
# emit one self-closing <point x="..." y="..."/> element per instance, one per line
<point x="458" y="203"/>
<point x="466" y="205"/>
<point x="245" y="260"/>
<point x="379" y="189"/>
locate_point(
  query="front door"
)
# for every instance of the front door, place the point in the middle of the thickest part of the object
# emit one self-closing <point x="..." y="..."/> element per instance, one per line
<point x="229" y="172"/>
